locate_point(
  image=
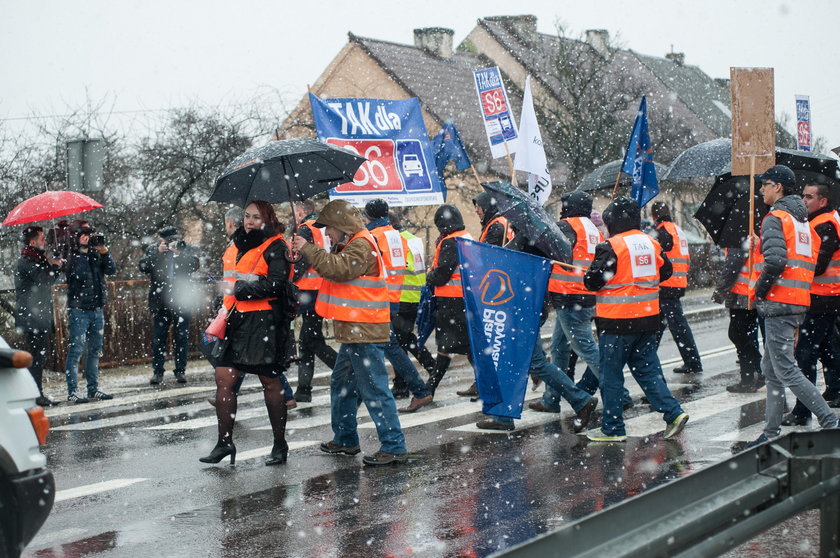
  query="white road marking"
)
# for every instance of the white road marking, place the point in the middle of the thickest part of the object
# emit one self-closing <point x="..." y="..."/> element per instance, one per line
<point x="96" y="488"/>
<point x="260" y="452"/>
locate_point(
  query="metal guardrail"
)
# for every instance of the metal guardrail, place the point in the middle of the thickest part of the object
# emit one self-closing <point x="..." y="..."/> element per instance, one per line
<point x="713" y="510"/>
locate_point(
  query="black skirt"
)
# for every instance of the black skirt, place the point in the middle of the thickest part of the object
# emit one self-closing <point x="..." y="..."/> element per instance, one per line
<point x="256" y="343"/>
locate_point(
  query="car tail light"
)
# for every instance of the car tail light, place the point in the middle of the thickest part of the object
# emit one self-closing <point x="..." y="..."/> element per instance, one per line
<point x="11" y="358"/>
<point x="40" y="423"/>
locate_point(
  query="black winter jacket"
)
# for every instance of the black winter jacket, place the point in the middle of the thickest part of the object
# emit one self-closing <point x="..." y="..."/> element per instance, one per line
<point x="34" y="279"/>
<point x="829" y="244"/>
<point x="665" y="240"/>
<point x="86" y="273"/>
<point x="161" y="294"/>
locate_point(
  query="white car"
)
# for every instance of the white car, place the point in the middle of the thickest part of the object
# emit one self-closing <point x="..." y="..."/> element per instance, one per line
<point x="27" y="488"/>
<point x="411" y="165"/>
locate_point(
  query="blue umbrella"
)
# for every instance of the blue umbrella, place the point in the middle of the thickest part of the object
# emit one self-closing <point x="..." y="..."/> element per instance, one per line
<point x="528" y="217"/>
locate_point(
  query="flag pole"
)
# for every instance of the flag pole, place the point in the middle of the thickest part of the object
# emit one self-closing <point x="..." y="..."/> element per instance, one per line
<point x="569" y="266"/>
<point x="615" y="188"/>
<point x="510" y="163"/>
<point x="475" y="173"/>
<point x="752" y="227"/>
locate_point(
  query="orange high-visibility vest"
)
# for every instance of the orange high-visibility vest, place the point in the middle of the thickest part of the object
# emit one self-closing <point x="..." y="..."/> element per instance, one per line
<point x="363" y="299"/>
<point x="827" y="284"/>
<point x="678" y="254"/>
<point x="633" y="292"/>
<point x="393" y="248"/>
<point x="250" y="267"/>
<point x="570" y="281"/>
<point x="508" y="236"/>
<point x="452" y="288"/>
<point x="745" y="284"/>
<point x="311" y="281"/>
<point x="794" y="285"/>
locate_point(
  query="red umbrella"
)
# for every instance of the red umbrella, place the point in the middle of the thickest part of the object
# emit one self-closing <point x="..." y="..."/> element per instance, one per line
<point x="50" y="205"/>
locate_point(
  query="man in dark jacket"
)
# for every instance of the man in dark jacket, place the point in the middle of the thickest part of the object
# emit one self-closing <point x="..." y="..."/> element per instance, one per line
<point x="817" y="335"/>
<point x="625" y="275"/>
<point x="782" y="297"/>
<point x="86" y="268"/>
<point x="169" y="264"/>
<point x="35" y="274"/>
<point x="672" y="239"/>
<point x="495" y="229"/>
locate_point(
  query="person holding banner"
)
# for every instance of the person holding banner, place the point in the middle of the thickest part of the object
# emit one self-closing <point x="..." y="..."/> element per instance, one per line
<point x="672" y="239"/>
<point x="625" y="275"/>
<point x="354" y="294"/>
<point x="782" y="297"/>
<point x="394" y="249"/>
<point x="445" y="277"/>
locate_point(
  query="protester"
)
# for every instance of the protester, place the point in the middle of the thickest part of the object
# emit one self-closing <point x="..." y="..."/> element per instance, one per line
<point x="394" y="250"/>
<point x="403" y="322"/>
<point x="169" y="264"/>
<point x="673" y="240"/>
<point x="311" y="337"/>
<point x="445" y="277"/>
<point x="257" y="341"/>
<point x="782" y="296"/>
<point x="625" y="275"/>
<point x="734" y="289"/>
<point x="88" y="264"/>
<point x="817" y="334"/>
<point x="35" y="274"/>
<point x="354" y="294"/>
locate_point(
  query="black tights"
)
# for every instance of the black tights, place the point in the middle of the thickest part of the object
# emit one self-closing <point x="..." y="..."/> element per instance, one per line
<point x="275" y="403"/>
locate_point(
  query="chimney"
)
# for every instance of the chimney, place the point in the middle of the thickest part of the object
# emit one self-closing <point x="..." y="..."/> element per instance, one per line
<point x="435" y="40"/>
<point x="525" y="26"/>
<point x="599" y="39"/>
<point x="677" y="57"/>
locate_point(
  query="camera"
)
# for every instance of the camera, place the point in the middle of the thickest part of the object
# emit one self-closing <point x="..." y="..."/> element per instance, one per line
<point x="97" y="240"/>
<point x="177" y="245"/>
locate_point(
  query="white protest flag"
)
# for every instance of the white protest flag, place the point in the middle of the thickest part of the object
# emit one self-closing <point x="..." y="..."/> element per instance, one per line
<point x="530" y="156"/>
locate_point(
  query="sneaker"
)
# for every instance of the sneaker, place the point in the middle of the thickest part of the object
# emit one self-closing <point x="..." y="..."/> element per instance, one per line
<point x="100" y="396"/>
<point x="44" y="401"/>
<point x="471" y="391"/>
<point x="76" y="398"/>
<point x="181" y="378"/>
<point x="599" y="436"/>
<point x="384" y="458"/>
<point x="795" y="420"/>
<point x="687" y="370"/>
<point x="541" y="408"/>
<point x="156" y="379"/>
<point x="490" y="424"/>
<point x="585" y="415"/>
<point x="332" y="447"/>
<point x="303" y="394"/>
<point x="676" y="427"/>
<point x="757" y="442"/>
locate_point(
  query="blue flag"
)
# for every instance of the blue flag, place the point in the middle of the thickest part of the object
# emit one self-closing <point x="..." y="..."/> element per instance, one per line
<point x="447" y="146"/>
<point x="638" y="161"/>
<point x="504" y="292"/>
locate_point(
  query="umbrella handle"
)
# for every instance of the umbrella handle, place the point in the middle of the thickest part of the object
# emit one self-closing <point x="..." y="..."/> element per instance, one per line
<point x="292" y="257"/>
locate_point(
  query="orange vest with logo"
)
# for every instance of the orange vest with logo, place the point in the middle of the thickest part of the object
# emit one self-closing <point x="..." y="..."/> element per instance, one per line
<point x="508" y="236"/>
<point x="452" y="288"/>
<point x="363" y="299"/>
<point x="794" y="285"/>
<point x="745" y="284"/>
<point x="393" y="248"/>
<point x="311" y="281"/>
<point x="633" y="292"/>
<point x="678" y="254"/>
<point x="250" y="267"/>
<point x="570" y="281"/>
<point x="827" y="284"/>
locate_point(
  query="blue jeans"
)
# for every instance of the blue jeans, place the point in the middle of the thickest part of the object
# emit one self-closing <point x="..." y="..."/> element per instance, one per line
<point x="638" y="350"/>
<point x="360" y="374"/>
<point x="555" y="378"/>
<point x="573" y="332"/>
<point x="86" y="327"/>
<point x="673" y="317"/>
<point x="404" y="368"/>
<point x="161" y="320"/>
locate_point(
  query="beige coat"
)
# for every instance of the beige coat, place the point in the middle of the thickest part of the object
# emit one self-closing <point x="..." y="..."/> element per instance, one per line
<point x="346" y="262"/>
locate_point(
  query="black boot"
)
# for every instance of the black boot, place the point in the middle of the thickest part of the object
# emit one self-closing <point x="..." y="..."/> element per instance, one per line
<point x="279" y="453"/>
<point x="221" y="451"/>
<point x="441" y="365"/>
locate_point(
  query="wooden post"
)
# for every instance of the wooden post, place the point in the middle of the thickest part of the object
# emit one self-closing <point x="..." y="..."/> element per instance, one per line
<point x="751" y="222"/>
<point x="615" y="188"/>
<point x="510" y="164"/>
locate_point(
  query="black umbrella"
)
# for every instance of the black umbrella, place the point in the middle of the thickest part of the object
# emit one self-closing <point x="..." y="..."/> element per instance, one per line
<point x="604" y="176"/>
<point x="285" y="171"/>
<point x="527" y="215"/>
<point x="725" y="211"/>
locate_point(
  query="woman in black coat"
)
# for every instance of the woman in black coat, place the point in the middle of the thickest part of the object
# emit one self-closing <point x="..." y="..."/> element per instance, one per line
<point x="256" y="341"/>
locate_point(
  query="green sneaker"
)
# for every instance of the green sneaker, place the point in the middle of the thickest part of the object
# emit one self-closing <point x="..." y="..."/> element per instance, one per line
<point x="677" y="426"/>
<point x="599" y="436"/>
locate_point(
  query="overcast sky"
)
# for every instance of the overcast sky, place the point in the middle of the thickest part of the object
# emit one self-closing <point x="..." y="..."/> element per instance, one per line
<point x="156" y="54"/>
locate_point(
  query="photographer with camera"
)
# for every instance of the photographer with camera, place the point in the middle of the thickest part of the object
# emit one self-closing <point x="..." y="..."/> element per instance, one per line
<point x="169" y="264"/>
<point x="88" y="264"/>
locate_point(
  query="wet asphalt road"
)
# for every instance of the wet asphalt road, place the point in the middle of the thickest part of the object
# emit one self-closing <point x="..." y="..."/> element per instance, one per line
<point x="130" y="484"/>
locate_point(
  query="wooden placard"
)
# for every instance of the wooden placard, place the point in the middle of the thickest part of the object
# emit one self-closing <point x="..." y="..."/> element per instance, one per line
<point x="753" y="120"/>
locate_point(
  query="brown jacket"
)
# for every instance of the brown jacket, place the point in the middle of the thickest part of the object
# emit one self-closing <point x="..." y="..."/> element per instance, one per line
<point x="347" y="262"/>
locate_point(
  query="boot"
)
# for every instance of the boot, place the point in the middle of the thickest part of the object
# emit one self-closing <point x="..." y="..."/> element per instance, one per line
<point x="441" y="365"/>
<point x="279" y="453"/>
